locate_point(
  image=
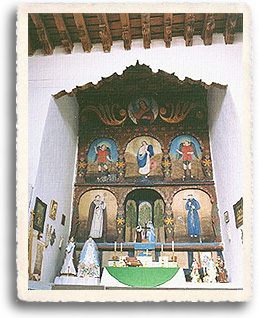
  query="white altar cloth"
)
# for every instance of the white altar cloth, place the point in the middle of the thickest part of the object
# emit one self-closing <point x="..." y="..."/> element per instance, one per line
<point x="73" y="280"/>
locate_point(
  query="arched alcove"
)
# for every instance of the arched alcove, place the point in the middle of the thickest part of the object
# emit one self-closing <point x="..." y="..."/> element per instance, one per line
<point x="84" y="208"/>
<point x="142" y="206"/>
<point x="180" y="212"/>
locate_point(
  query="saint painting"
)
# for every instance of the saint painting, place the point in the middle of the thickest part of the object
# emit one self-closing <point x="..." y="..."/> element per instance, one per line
<point x="102" y="157"/>
<point x="186" y="151"/>
<point x="186" y="155"/>
<point x="193" y="221"/>
<point x="143" y="110"/>
<point x="97" y="219"/>
<point x="144" y="155"/>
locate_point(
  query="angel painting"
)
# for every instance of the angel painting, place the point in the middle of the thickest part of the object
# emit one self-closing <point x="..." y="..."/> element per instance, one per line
<point x="103" y="156"/>
<point x="186" y="151"/>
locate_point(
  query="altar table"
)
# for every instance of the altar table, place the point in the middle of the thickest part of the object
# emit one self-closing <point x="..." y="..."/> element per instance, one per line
<point x="147" y="277"/>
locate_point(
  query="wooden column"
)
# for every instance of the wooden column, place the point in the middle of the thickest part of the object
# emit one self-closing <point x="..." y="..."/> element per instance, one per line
<point x="189" y="29"/>
<point x="208" y="27"/>
<point x="105" y="32"/>
<point x="145" y="20"/>
<point x="168" y="20"/>
<point x="229" y="33"/>
<point x="64" y="35"/>
<point x="47" y="46"/>
<point x="125" y="30"/>
<point x="83" y="32"/>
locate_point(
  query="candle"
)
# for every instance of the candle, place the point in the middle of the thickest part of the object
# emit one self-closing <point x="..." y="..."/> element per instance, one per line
<point x="172" y="245"/>
<point x="162" y="248"/>
<point x="121" y="247"/>
<point x="115" y="245"/>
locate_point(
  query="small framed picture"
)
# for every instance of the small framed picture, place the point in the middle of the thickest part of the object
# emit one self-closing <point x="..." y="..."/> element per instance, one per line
<point x="53" y="209"/>
<point x="63" y="219"/>
<point x="238" y="210"/>
<point x="39" y="215"/>
<point x="226" y="216"/>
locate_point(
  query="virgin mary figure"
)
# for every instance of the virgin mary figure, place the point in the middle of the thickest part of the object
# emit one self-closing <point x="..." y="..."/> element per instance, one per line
<point x="144" y="155"/>
<point x="89" y="260"/>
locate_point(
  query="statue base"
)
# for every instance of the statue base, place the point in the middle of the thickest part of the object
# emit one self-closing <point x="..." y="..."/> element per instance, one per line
<point x="73" y="280"/>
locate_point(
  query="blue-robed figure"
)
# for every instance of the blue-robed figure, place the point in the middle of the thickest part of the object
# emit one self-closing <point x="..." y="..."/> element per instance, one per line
<point x="193" y="221"/>
<point x="144" y="154"/>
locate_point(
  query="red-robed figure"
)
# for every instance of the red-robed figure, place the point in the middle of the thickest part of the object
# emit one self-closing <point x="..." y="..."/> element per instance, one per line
<point x="186" y="150"/>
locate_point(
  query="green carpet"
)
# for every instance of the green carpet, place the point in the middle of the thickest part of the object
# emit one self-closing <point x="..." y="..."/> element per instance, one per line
<point x="142" y="276"/>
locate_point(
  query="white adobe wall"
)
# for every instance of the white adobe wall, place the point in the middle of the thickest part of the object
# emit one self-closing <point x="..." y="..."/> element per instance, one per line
<point x="55" y="176"/>
<point x="50" y="74"/>
<point x="227" y="153"/>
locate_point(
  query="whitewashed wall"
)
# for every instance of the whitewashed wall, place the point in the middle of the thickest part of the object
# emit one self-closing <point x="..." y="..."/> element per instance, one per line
<point x="50" y="74"/>
<point x="55" y="175"/>
<point x="227" y="153"/>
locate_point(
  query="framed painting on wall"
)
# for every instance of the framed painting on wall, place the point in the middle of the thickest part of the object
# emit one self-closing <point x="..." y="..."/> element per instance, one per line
<point x="53" y="209"/>
<point x="238" y="210"/>
<point x="39" y="215"/>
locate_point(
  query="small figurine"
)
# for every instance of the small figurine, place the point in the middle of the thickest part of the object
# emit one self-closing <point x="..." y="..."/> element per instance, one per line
<point x="195" y="272"/>
<point x="68" y="267"/>
<point x="211" y="271"/>
<point x="139" y="233"/>
<point x="222" y="276"/>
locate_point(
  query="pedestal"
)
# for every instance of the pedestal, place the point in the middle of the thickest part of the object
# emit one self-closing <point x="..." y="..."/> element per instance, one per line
<point x="73" y="280"/>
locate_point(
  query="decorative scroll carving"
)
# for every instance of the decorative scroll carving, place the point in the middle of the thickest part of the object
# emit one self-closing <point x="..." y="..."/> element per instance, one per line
<point x="42" y="34"/>
<point x="178" y="112"/>
<point x="229" y="34"/>
<point x="145" y="18"/>
<point x="189" y="29"/>
<point x="209" y="26"/>
<point x="82" y="32"/>
<point x="104" y="32"/>
<point x="106" y="114"/>
<point x="168" y="19"/>
<point x="125" y="30"/>
<point x="64" y="36"/>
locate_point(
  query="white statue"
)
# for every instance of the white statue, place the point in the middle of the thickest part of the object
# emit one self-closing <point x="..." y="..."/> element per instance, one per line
<point x="211" y="271"/>
<point x="195" y="275"/>
<point x="151" y="232"/>
<point x="89" y="263"/>
<point x="68" y="267"/>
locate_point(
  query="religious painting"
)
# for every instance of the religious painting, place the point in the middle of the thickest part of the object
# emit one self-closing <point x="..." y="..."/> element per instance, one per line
<point x="53" y="209"/>
<point x="131" y="220"/>
<point x="97" y="216"/>
<point x="39" y="215"/>
<point x="192" y="210"/>
<point x="238" y="210"/>
<point x="143" y="110"/>
<point x="102" y="157"/>
<point x="186" y="158"/>
<point x="143" y="158"/>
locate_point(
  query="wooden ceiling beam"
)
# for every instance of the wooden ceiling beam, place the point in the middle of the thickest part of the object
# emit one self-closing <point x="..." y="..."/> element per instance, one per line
<point x="31" y="49"/>
<point x="231" y="23"/>
<point x="145" y="21"/>
<point x="42" y="34"/>
<point x="105" y="32"/>
<point x="64" y="35"/>
<point x="208" y="27"/>
<point x="83" y="32"/>
<point x="125" y="30"/>
<point x="168" y="22"/>
<point x="189" y="28"/>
